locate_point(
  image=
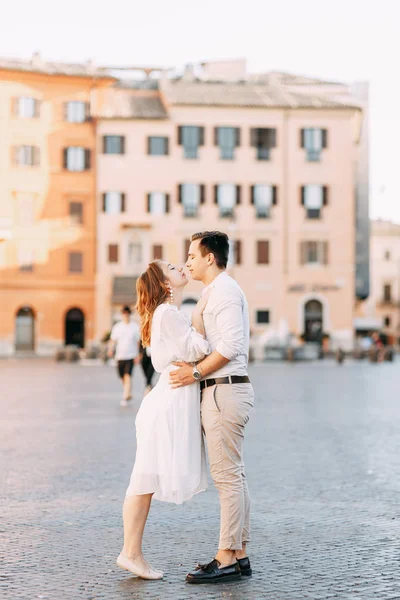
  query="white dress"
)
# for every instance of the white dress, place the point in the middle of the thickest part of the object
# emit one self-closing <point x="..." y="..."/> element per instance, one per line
<point x="170" y="459"/>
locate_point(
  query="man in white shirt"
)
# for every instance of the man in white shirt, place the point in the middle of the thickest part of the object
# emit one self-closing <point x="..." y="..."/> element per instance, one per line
<point x="125" y="340"/>
<point x="226" y="402"/>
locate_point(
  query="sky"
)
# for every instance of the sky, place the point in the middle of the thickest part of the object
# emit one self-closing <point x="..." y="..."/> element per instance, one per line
<point x="345" y="40"/>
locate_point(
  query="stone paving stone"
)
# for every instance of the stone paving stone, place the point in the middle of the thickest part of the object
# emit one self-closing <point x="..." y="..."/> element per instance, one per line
<point x="322" y="457"/>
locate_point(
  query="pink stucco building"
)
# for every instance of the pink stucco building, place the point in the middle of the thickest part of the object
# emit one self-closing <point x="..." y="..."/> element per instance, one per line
<point x="270" y="159"/>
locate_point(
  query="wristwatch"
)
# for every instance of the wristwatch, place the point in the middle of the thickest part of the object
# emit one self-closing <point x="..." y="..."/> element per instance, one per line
<point x="196" y="373"/>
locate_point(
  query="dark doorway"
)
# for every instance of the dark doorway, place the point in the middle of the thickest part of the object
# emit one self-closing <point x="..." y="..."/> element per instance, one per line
<point x="75" y="328"/>
<point x="25" y="329"/>
<point x="313" y="321"/>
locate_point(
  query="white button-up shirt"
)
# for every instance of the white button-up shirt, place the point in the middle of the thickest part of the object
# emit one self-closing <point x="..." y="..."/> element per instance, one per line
<point x="227" y="324"/>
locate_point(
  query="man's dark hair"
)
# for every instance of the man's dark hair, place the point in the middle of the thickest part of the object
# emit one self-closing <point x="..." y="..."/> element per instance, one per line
<point x="214" y="242"/>
<point x="127" y="309"/>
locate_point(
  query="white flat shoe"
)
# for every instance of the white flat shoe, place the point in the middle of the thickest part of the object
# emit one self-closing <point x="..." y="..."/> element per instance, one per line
<point x="130" y="565"/>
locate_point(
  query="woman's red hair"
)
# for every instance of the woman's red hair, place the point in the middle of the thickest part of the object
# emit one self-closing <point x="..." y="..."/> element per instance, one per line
<point x="151" y="290"/>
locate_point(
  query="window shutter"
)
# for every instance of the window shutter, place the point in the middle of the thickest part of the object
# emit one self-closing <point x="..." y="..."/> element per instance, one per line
<point x="36" y="156"/>
<point x="201" y="136"/>
<point x="15" y="107"/>
<point x="253" y="137"/>
<point x="216" y="194"/>
<point x="122" y="144"/>
<point x="36" y="112"/>
<point x="103" y="200"/>
<point x="237" y="132"/>
<point x="274" y="195"/>
<point x="65" y="158"/>
<point x="302" y="138"/>
<point x="75" y="262"/>
<point x="166" y="146"/>
<point x="252" y="198"/>
<point x="87" y="159"/>
<point x="148" y="145"/>
<point x="104" y="144"/>
<point x="202" y="193"/>
<point x="271" y="138"/>
<point x="324" y="138"/>
<point x="303" y="195"/>
<point x="186" y="249"/>
<point x="123" y="199"/>
<point x="113" y="253"/>
<point x="167" y="203"/>
<point x="76" y="211"/>
<point x="87" y="111"/>
<point x="216" y="136"/>
<point x="179" y="136"/>
<point x="263" y="252"/>
<point x="238" y="194"/>
<point x="325" y="256"/>
<point x="157" y="252"/>
<point x="302" y="253"/>
<point x="325" y="195"/>
<point x="238" y="252"/>
<point x="180" y="193"/>
<point x="148" y="202"/>
<point x="65" y="111"/>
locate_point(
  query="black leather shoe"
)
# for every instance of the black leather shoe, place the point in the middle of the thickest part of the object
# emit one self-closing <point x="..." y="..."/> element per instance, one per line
<point x="212" y="573"/>
<point x="245" y="567"/>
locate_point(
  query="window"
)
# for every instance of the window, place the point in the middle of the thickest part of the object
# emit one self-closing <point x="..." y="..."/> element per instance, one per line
<point x="387" y="292"/>
<point x="227" y="138"/>
<point x="75" y="262"/>
<point x="113" y="253"/>
<point x="113" y="202"/>
<point x="113" y="144"/>
<point x="387" y="321"/>
<point x="227" y="195"/>
<point x="186" y="247"/>
<point x="76" y="158"/>
<point x="313" y="253"/>
<point x="76" y="212"/>
<point x="157" y="146"/>
<point x="76" y="112"/>
<point x="263" y="252"/>
<point x="263" y="140"/>
<point x="313" y="198"/>
<point x="157" y="252"/>
<point x="190" y="137"/>
<point x="262" y="316"/>
<point x="26" y="156"/>
<point x="264" y="196"/>
<point x="191" y="195"/>
<point x="26" y="107"/>
<point x="157" y="203"/>
<point x="134" y="253"/>
<point x="25" y="260"/>
<point x="387" y="255"/>
<point x="314" y="139"/>
<point x="235" y="253"/>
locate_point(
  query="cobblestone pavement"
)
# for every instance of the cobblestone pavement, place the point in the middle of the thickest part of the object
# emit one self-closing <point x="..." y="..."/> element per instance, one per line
<point x="323" y="463"/>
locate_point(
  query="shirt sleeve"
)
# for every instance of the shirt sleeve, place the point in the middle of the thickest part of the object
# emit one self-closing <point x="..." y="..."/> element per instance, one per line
<point x="228" y="313"/>
<point x="114" y="333"/>
<point x="176" y="330"/>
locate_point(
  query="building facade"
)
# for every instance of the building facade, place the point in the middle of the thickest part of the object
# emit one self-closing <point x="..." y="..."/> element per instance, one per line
<point x="381" y="311"/>
<point x="271" y="162"/>
<point x="47" y="205"/>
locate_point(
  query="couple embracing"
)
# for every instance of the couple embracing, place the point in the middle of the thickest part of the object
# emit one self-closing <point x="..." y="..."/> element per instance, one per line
<point x="203" y="386"/>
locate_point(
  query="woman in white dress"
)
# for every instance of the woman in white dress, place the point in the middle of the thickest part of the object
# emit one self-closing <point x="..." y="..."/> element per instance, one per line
<point x="170" y="461"/>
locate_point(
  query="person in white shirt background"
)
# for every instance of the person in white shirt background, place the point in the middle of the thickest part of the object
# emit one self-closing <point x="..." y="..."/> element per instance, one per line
<point x="124" y="341"/>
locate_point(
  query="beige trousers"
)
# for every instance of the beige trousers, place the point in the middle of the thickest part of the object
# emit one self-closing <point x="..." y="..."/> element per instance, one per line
<point x="225" y="410"/>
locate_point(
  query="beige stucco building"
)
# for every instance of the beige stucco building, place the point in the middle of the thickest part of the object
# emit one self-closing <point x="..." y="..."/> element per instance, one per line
<point x="270" y="159"/>
<point x="382" y="309"/>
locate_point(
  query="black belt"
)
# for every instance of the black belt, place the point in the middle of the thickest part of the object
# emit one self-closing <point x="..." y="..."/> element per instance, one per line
<point x="221" y="380"/>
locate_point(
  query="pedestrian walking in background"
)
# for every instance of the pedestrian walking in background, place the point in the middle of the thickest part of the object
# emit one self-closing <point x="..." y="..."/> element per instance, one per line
<point x="147" y="367"/>
<point x="124" y="341"/>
